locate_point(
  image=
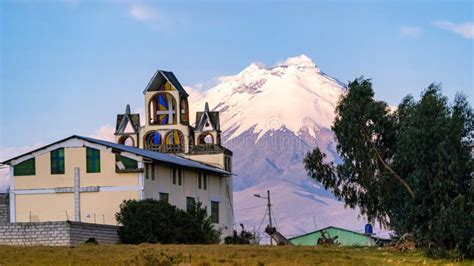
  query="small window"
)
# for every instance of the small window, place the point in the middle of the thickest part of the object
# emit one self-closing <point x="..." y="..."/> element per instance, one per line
<point x="174" y="176"/>
<point x="164" y="197"/>
<point x="25" y="168"/>
<point x="93" y="160"/>
<point x="177" y="176"/>
<point x="150" y="172"/>
<point x="190" y="202"/>
<point x="215" y="212"/>
<point x="202" y="181"/>
<point x="199" y="181"/>
<point x="124" y="164"/>
<point x="57" y="161"/>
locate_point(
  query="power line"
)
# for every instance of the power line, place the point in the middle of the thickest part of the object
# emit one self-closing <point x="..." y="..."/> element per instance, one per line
<point x="251" y="207"/>
<point x="261" y="222"/>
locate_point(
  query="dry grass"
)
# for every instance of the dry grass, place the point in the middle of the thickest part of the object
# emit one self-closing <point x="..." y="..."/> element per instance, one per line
<point x="209" y="255"/>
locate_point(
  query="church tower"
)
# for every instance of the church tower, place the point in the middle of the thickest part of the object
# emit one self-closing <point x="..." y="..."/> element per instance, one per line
<point x="167" y="126"/>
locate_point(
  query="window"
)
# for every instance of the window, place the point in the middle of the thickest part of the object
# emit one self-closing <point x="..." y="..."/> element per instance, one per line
<point x="164" y="197"/>
<point x="199" y="180"/>
<point x="93" y="160"/>
<point x="125" y="164"/>
<point x="150" y="172"/>
<point x="202" y="181"/>
<point x="162" y="109"/>
<point x="25" y="168"/>
<point x="153" y="141"/>
<point x="215" y="212"/>
<point x="57" y="161"/>
<point x="190" y="203"/>
<point x="174" y="141"/>
<point x="177" y="176"/>
<point x="184" y="114"/>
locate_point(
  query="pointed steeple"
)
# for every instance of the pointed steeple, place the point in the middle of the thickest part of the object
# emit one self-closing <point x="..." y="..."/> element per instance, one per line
<point x="127" y="109"/>
<point x="206" y="107"/>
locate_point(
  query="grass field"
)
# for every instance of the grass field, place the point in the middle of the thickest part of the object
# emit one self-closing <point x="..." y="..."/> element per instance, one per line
<point x="148" y="254"/>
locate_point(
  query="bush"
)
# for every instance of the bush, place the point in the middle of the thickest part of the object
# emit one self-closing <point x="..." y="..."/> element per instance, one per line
<point x="153" y="221"/>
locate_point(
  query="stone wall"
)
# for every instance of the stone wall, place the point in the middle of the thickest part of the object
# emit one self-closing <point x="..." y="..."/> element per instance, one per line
<point x="4" y="209"/>
<point x="64" y="233"/>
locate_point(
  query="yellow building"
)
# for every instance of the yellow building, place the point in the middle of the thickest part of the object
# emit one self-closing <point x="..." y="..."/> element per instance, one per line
<point x="85" y="179"/>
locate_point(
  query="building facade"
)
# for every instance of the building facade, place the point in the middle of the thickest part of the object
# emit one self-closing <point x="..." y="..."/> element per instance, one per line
<point x="85" y="179"/>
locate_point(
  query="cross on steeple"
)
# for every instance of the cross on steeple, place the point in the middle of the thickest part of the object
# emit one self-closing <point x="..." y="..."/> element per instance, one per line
<point x="169" y="112"/>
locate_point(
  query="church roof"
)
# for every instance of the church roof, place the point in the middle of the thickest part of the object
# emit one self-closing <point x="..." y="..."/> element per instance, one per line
<point x="152" y="155"/>
<point x="158" y="79"/>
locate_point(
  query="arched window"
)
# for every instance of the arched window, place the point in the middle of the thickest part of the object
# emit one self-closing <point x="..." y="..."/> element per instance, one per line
<point x="205" y="138"/>
<point x="127" y="140"/>
<point x="153" y="141"/>
<point x="184" y="114"/>
<point x="174" y="141"/>
<point x="162" y="109"/>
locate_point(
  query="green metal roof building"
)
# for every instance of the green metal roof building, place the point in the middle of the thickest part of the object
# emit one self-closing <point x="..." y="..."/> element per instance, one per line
<point x="344" y="238"/>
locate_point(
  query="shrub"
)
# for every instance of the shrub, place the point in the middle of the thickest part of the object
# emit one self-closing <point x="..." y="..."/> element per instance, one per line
<point x="153" y="221"/>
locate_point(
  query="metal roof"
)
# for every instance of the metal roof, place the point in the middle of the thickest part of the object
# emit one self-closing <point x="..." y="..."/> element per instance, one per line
<point x="338" y="228"/>
<point x="158" y="79"/>
<point x="153" y="155"/>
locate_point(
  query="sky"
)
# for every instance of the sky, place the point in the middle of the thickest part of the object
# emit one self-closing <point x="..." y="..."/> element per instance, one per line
<point x="68" y="67"/>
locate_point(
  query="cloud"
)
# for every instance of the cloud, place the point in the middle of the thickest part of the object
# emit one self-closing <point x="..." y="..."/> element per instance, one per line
<point x="105" y="132"/>
<point x="143" y="13"/>
<point x="466" y="29"/>
<point x="410" y="31"/>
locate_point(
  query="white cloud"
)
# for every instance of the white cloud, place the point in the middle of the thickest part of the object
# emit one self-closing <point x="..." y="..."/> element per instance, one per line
<point x="410" y="31"/>
<point x="466" y="29"/>
<point x="143" y="13"/>
<point x="105" y="132"/>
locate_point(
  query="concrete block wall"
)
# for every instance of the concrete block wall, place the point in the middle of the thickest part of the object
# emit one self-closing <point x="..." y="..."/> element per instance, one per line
<point x="63" y="233"/>
<point x="4" y="209"/>
<point x="104" y="234"/>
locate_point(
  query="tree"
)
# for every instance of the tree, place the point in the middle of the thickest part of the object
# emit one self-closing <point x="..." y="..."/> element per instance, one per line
<point x="152" y="221"/>
<point x="409" y="169"/>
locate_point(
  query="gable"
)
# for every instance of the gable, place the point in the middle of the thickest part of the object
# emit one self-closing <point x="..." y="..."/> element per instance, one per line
<point x="165" y="80"/>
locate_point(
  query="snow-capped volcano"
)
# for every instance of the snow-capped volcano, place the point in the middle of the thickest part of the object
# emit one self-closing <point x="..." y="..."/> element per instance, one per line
<point x="270" y="118"/>
<point x="294" y="94"/>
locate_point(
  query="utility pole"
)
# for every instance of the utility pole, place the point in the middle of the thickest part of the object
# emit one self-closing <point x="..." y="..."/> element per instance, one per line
<point x="270" y="215"/>
<point x="269" y="206"/>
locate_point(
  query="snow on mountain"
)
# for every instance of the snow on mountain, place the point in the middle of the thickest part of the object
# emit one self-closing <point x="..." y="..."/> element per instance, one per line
<point x="270" y="118"/>
<point x="290" y="94"/>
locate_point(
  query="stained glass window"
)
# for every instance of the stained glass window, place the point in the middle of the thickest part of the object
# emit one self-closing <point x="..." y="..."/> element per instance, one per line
<point x="57" y="161"/>
<point x="93" y="160"/>
<point x="128" y="164"/>
<point x="153" y="141"/>
<point x="174" y="141"/>
<point x="25" y="168"/>
<point x="163" y="109"/>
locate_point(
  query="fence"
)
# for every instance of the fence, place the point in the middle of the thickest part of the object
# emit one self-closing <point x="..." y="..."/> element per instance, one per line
<point x="63" y="233"/>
